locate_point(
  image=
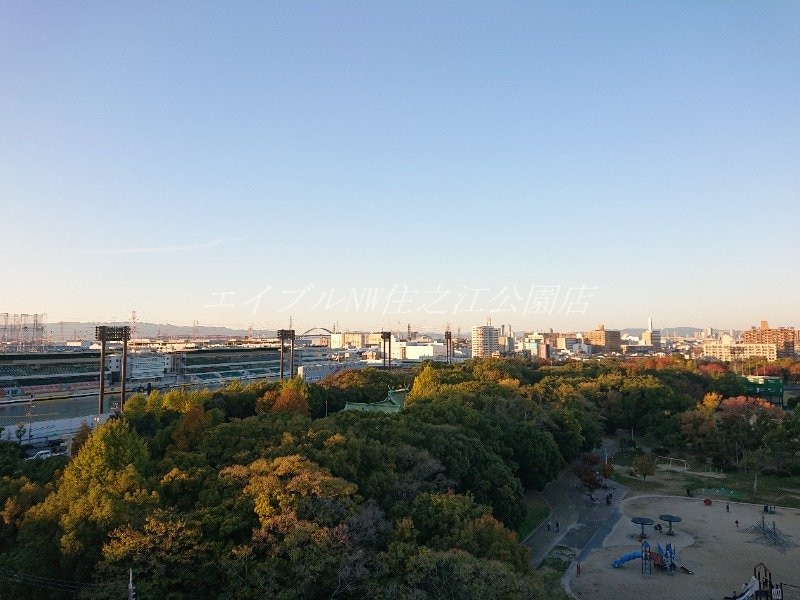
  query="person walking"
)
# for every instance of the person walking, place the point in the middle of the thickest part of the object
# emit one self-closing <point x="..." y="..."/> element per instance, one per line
<point x="548" y="525"/>
<point x="727" y="507"/>
<point x="558" y="527"/>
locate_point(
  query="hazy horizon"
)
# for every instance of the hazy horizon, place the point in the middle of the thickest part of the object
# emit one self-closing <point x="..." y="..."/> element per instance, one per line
<point x="56" y="327"/>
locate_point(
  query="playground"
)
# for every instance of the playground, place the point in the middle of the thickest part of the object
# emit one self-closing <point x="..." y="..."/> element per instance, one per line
<point x="709" y="556"/>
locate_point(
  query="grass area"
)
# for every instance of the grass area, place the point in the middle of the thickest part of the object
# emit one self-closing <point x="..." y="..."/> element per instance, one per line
<point x="769" y="488"/>
<point x="734" y="486"/>
<point x="722" y="485"/>
<point x="651" y="485"/>
<point x="557" y="564"/>
<point x="536" y="511"/>
<point x="553" y="568"/>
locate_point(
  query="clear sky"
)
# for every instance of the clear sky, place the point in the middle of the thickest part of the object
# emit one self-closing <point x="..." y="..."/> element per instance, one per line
<point x="557" y="164"/>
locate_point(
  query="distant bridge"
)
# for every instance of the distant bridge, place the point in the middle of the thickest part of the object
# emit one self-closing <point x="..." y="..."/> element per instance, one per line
<point x="309" y="334"/>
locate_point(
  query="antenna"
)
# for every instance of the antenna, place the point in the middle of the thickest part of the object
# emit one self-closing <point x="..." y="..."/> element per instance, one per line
<point x="133" y="325"/>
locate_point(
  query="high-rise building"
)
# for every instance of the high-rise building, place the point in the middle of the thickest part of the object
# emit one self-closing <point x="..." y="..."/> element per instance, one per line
<point x="608" y="339"/>
<point x="485" y="340"/>
<point x="782" y="337"/>
<point x="652" y="337"/>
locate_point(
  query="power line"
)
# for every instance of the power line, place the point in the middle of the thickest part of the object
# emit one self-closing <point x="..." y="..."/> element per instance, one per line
<point x="51" y="583"/>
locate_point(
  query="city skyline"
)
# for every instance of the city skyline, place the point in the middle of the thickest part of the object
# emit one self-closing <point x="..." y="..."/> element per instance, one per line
<point x="72" y="330"/>
<point x="160" y="158"/>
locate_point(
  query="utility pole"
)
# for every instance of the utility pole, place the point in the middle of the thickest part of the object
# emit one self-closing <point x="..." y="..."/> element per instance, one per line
<point x="131" y="589"/>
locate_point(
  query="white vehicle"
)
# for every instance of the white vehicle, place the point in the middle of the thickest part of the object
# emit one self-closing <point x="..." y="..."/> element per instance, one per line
<point x="41" y="454"/>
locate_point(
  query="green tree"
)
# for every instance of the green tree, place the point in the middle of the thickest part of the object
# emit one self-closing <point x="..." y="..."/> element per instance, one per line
<point x="168" y="555"/>
<point x="426" y="384"/>
<point x="190" y="427"/>
<point x="20" y="432"/>
<point x="756" y="460"/>
<point x="295" y="484"/>
<point x="102" y="487"/>
<point x="536" y="453"/>
<point x="643" y="465"/>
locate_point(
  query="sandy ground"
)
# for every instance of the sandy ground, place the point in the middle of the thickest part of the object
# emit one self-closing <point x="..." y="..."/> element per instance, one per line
<point x="707" y="542"/>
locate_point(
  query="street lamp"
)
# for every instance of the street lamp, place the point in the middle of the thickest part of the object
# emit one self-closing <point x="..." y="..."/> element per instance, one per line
<point x="30" y="418"/>
<point x="326" y="408"/>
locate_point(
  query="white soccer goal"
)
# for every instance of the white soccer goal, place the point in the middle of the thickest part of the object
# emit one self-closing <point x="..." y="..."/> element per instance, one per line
<point x="669" y="462"/>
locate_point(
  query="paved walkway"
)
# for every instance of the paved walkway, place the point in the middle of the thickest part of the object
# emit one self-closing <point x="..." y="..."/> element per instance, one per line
<point x="583" y="524"/>
<point x="559" y="495"/>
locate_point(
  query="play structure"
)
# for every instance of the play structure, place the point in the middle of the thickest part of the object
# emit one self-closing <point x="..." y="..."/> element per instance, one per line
<point x="665" y="559"/>
<point x="772" y="536"/>
<point x="670" y="519"/>
<point x="626" y="557"/>
<point x="642" y="521"/>
<point x="760" y="586"/>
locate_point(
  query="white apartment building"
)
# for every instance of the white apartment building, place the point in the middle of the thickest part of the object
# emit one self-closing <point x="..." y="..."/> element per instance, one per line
<point x="485" y="340"/>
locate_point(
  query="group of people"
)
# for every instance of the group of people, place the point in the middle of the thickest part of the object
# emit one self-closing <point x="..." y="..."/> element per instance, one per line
<point x="593" y="500"/>
<point x="558" y="526"/>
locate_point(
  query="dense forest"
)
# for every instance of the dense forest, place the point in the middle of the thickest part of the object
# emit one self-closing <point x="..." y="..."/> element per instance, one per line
<point x="253" y="492"/>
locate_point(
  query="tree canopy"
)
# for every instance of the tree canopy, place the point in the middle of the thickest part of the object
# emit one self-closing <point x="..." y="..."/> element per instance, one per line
<point x="251" y="491"/>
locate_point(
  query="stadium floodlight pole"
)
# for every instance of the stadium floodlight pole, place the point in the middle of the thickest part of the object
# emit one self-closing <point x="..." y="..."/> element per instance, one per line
<point x="291" y="354"/>
<point x="280" y="337"/>
<point x="100" y="334"/>
<point x="105" y="334"/>
<point x="386" y="336"/>
<point x="123" y="372"/>
<point x="283" y="336"/>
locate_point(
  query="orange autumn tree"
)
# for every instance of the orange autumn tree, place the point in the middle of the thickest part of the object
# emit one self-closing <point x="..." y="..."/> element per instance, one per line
<point x="292" y="397"/>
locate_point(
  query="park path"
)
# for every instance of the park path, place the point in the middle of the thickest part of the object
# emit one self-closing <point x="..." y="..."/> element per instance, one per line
<point x="584" y="525"/>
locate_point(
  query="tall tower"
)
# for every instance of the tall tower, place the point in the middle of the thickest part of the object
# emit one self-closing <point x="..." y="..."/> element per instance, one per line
<point x="652" y="337"/>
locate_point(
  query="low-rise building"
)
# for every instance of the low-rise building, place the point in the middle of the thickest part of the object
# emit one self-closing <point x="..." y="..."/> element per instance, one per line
<point x="418" y="350"/>
<point x="393" y="403"/>
<point x="729" y="351"/>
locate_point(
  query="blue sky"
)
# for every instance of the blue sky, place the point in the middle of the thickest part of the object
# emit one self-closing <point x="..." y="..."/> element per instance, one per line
<point x="548" y="164"/>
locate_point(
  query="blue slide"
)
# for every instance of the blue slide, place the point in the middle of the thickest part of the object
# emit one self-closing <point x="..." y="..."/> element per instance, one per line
<point x="625" y="558"/>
